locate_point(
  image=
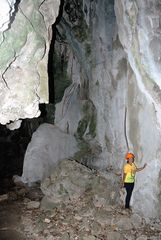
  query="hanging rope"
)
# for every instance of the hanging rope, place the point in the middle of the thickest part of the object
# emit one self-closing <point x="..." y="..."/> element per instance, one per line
<point x="125" y="133"/>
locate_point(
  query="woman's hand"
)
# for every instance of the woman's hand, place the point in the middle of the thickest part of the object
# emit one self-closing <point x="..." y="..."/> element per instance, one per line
<point x="140" y="169"/>
<point x="145" y="165"/>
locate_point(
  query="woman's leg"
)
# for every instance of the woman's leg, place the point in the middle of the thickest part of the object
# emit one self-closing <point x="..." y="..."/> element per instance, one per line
<point x="129" y="188"/>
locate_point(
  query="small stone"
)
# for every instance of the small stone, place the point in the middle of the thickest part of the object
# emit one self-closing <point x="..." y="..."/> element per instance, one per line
<point x="47" y="220"/>
<point x="12" y="196"/>
<point x="78" y="218"/>
<point x="50" y="237"/>
<point x="99" y="202"/>
<point x="142" y="238"/>
<point x="124" y="224"/>
<point x="65" y="236"/>
<point x="26" y="200"/>
<point x="33" y="205"/>
<point x="46" y="232"/>
<point x="3" y="197"/>
<point x="22" y="192"/>
<point x="115" y="236"/>
<point x="18" y="181"/>
<point x="136" y="220"/>
<point x="89" y="237"/>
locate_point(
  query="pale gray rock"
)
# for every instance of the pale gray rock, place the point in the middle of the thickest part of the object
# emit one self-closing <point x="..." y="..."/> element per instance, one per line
<point x="142" y="238"/>
<point x="124" y="223"/>
<point x="7" y="9"/>
<point x="64" y="185"/>
<point x="65" y="236"/>
<point x="116" y="65"/>
<point x="14" y="125"/>
<point x="137" y="220"/>
<point x="24" y="44"/>
<point x="50" y="237"/>
<point x="70" y="181"/>
<point x="48" y="146"/>
<point x="139" y="32"/>
<point x="3" y="197"/>
<point x="129" y="237"/>
<point x="115" y="235"/>
<point x="99" y="202"/>
<point x="89" y="238"/>
<point x="97" y="67"/>
<point x="33" y="205"/>
<point x="116" y="78"/>
<point x="103" y="218"/>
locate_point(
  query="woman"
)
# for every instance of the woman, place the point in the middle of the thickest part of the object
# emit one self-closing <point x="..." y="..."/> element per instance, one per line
<point x="129" y="177"/>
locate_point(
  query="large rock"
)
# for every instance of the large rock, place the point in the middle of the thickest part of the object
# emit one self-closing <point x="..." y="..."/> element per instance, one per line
<point x="70" y="181"/>
<point x="48" y="146"/>
<point x="24" y="44"/>
<point x="6" y="12"/>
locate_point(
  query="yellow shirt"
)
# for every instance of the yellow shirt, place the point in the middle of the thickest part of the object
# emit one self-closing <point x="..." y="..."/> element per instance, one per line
<point x="129" y="170"/>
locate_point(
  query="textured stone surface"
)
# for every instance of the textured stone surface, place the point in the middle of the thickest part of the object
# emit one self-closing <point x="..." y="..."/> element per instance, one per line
<point x="24" y="44"/>
<point x="70" y="181"/>
<point x="140" y="32"/>
<point x="115" y="72"/>
<point x="97" y="66"/>
<point x="116" y="67"/>
<point x="48" y="145"/>
<point x="6" y="12"/>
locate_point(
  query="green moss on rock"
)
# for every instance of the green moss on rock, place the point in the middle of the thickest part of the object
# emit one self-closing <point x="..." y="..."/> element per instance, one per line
<point x="86" y="131"/>
<point x="82" y="126"/>
<point x="87" y="125"/>
<point x="84" y="152"/>
<point x="61" y="78"/>
<point x="81" y="31"/>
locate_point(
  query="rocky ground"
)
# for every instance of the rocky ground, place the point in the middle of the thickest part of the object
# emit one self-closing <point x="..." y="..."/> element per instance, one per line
<point x="21" y="218"/>
<point x="85" y="217"/>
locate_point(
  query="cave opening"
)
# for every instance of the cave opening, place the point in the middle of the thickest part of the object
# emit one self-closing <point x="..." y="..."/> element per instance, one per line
<point x="51" y="65"/>
<point x="13" y="145"/>
<point x="57" y="63"/>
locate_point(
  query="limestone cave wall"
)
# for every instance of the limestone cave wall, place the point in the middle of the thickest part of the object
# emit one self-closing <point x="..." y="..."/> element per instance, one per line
<point x="114" y="63"/>
<point x="109" y="56"/>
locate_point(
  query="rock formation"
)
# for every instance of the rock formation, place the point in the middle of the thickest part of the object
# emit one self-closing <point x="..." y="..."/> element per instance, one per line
<point x="48" y="146"/>
<point x="113" y="61"/>
<point x="111" y="54"/>
<point x="25" y="34"/>
<point x="140" y="32"/>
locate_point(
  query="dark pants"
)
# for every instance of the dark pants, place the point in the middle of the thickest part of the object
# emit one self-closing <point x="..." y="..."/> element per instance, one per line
<point x="129" y="188"/>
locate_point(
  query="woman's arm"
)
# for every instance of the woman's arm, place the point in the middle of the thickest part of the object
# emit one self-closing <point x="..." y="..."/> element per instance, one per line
<point x="140" y="169"/>
<point x="123" y="179"/>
